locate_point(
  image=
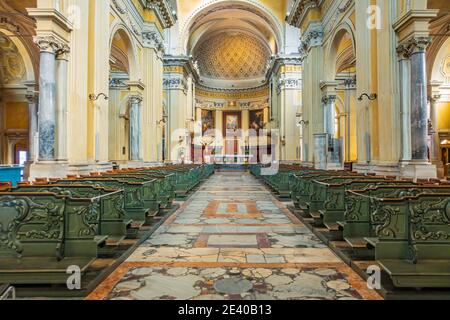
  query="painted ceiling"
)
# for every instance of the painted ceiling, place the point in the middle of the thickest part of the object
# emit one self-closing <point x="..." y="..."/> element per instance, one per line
<point x="232" y="55"/>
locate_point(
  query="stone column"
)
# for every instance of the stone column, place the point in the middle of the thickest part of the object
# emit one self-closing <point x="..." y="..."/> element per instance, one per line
<point x="329" y="103"/>
<point x="48" y="46"/>
<point x="435" y="140"/>
<point x="419" y="117"/>
<point x="405" y="97"/>
<point x="135" y="128"/>
<point x="32" y="98"/>
<point x="61" y="102"/>
<point x="329" y="120"/>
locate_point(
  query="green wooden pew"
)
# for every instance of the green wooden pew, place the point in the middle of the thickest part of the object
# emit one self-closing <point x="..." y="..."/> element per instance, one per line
<point x="158" y="196"/>
<point x="310" y="197"/>
<point x="413" y="244"/>
<point x="334" y="191"/>
<point x="136" y="192"/>
<point x="42" y="234"/>
<point x="112" y="222"/>
<point x="361" y="218"/>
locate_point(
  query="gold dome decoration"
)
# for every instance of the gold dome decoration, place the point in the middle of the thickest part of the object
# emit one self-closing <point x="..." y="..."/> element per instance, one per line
<point x="232" y="56"/>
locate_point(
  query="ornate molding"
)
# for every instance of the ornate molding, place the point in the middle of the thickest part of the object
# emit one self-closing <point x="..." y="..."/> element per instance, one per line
<point x="175" y="62"/>
<point x="136" y="98"/>
<point x="63" y="52"/>
<point x="418" y="44"/>
<point x="163" y="10"/>
<point x="32" y="97"/>
<point x="289" y="84"/>
<point x="49" y="44"/>
<point x="153" y="39"/>
<point x="412" y="46"/>
<point x="313" y="37"/>
<point x="236" y="94"/>
<point x="350" y="83"/>
<point x="300" y="9"/>
<point x="222" y="105"/>
<point x="328" y="99"/>
<point x="116" y="83"/>
<point x="122" y="8"/>
<point x="175" y="83"/>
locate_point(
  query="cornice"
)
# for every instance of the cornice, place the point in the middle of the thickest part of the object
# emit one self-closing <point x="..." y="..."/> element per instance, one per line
<point x="257" y="89"/>
<point x="183" y="61"/>
<point x="300" y="9"/>
<point x="278" y="61"/>
<point x="163" y="10"/>
<point x="414" y="23"/>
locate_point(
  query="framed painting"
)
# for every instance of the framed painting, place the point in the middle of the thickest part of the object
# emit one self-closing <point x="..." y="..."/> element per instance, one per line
<point x="231" y="122"/>
<point x="257" y="120"/>
<point x="207" y="120"/>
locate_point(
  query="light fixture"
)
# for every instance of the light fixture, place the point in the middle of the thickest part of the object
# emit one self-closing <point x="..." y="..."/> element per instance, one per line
<point x="94" y="97"/>
<point x="303" y="123"/>
<point x="371" y="97"/>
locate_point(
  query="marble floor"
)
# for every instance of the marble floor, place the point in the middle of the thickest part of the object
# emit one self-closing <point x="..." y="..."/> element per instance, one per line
<point x="232" y="240"/>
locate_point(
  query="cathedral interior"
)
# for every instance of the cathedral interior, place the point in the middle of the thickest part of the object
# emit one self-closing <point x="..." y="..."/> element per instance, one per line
<point x="225" y="149"/>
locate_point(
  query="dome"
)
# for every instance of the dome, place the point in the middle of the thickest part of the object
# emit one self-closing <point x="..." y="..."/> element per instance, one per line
<point x="232" y="56"/>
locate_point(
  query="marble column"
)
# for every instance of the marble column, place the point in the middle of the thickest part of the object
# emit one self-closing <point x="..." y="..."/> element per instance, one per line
<point x="329" y="102"/>
<point x="419" y="117"/>
<point x="435" y="140"/>
<point x="32" y="98"/>
<point x="48" y="46"/>
<point x="405" y="97"/>
<point x="135" y="128"/>
<point x="61" y="102"/>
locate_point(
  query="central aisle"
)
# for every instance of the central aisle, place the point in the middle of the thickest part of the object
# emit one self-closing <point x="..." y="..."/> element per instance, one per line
<point x="233" y="240"/>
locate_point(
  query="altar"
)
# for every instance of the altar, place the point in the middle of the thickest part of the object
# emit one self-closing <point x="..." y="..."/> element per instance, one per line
<point x="229" y="159"/>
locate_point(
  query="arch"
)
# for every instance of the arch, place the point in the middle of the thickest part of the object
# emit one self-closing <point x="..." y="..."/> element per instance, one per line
<point x="435" y="50"/>
<point x="24" y="53"/>
<point x="332" y="50"/>
<point x="340" y="105"/>
<point x="132" y="56"/>
<point x="124" y="106"/>
<point x="274" y="23"/>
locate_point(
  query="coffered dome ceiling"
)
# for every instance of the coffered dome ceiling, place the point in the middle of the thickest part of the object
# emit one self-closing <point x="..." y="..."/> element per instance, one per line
<point x="232" y="44"/>
<point x="232" y="56"/>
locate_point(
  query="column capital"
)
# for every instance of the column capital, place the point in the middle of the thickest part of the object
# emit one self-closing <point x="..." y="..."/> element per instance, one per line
<point x="418" y="44"/>
<point x="403" y="51"/>
<point x="49" y="44"/>
<point x="63" y="52"/>
<point x="434" y="97"/>
<point x="32" y="96"/>
<point x="328" y="99"/>
<point x="136" y="98"/>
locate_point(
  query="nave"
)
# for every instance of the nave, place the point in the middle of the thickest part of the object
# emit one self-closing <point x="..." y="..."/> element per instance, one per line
<point x="233" y="240"/>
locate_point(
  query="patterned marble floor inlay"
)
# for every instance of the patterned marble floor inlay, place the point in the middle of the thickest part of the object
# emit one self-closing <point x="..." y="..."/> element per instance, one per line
<point x="233" y="240"/>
